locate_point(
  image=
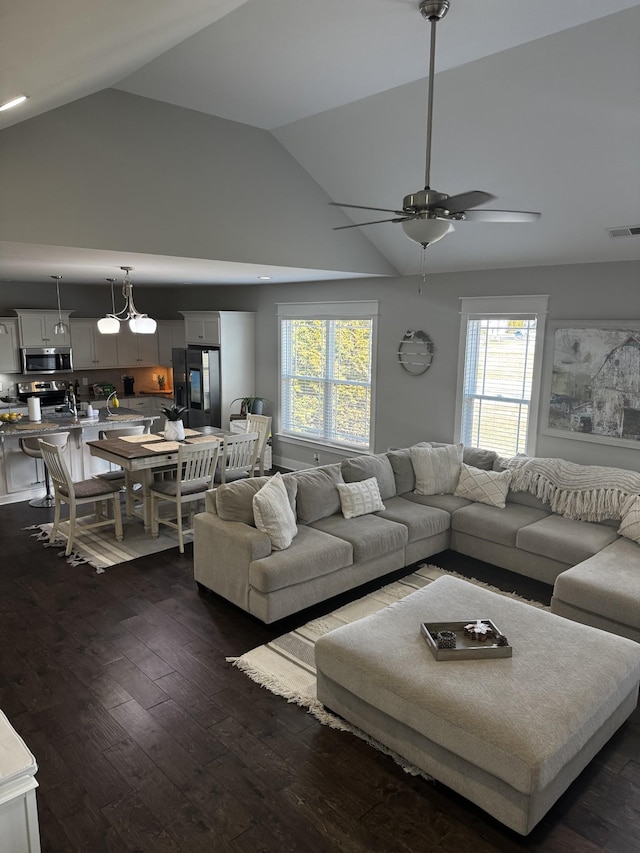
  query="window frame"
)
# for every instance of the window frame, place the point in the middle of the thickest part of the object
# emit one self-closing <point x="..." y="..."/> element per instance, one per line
<point x="513" y="307"/>
<point x="359" y="310"/>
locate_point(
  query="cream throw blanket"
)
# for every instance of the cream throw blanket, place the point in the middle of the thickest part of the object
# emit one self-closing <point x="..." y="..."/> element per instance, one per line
<point x="581" y="492"/>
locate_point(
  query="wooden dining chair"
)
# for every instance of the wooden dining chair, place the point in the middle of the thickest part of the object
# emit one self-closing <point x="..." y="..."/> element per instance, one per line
<point x="262" y="425"/>
<point x="65" y="491"/>
<point x="120" y="477"/>
<point x="194" y="476"/>
<point x="237" y="457"/>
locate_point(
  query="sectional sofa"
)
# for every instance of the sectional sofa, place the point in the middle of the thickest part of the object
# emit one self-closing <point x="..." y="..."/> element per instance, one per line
<point x="370" y="515"/>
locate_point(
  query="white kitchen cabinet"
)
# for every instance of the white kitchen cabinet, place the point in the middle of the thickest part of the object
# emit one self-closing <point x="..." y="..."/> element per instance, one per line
<point x="9" y="354"/>
<point x="91" y="350"/>
<point x="171" y="335"/>
<point x="37" y="328"/>
<point x="236" y="340"/>
<point x="202" y="328"/>
<point x="136" y="350"/>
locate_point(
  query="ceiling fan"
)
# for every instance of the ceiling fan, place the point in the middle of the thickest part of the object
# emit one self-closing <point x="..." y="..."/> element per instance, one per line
<point x="428" y="215"/>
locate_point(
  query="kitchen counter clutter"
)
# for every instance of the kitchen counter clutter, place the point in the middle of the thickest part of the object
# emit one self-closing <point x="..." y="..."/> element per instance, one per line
<point x="58" y="422"/>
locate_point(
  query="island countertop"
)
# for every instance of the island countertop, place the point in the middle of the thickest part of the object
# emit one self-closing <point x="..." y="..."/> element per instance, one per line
<point x="59" y="423"/>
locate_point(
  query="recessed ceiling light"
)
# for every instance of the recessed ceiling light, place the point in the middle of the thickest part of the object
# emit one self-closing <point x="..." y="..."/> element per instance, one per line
<point x="14" y="102"/>
<point x="264" y="277"/>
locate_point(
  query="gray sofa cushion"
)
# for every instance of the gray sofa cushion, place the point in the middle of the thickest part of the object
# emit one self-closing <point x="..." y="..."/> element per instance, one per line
<point x="404" y="475"/>
<point x="317" y="495"/>
<point x="450" y="503"/>
<point x="311" y="555"/>
<point x="607" y="584"/>
<point x="478" y="457"/>
<point x="563" y="539"/>
<point x="370" y="535"/>
<point x="234" y="501"/>
<point x="420" y="521"/>
<point x="494" y="524"/>
<point x="363" y="467"/>
<point x="526" y="499"/>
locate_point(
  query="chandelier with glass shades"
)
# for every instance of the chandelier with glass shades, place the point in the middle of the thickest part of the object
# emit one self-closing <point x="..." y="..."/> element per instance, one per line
<point x="139" y="323"/>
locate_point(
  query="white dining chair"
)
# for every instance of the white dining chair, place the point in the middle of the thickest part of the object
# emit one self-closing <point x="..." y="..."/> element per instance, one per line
<point x="262" y="425"/>
<point x="31" y="447"/>
<point x="94" y="491"/>
<point x="194" y="476"/>
<point x="237" y="457"/>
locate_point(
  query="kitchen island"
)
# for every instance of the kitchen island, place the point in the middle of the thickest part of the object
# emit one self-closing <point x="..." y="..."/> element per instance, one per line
<point x="21" y="481"/>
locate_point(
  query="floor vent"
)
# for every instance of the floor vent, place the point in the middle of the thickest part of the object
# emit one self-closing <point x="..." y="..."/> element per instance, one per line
<point x="625" y="231"/>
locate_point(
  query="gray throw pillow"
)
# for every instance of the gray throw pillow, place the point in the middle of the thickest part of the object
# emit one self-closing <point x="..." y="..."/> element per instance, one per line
<point x="234" y="501"/>
<point x="403" y="473"/>
<point x="317" y="495"/>
<point x="359" y="468"/>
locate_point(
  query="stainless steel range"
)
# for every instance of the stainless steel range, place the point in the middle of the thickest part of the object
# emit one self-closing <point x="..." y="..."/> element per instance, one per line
<point x="50" y="392"/>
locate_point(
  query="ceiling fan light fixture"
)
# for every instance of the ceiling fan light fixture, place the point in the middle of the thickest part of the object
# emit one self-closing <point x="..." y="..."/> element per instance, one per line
<point x="425" y="229"/>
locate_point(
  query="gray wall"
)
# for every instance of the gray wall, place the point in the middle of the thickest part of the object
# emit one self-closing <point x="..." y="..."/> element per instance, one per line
<point x="121" y="172"/>
<point x="410" y="408"/>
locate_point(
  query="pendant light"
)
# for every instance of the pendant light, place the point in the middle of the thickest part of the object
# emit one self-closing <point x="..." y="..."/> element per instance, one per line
<point x="140" y="324"/>
<point x="60" y="327"/>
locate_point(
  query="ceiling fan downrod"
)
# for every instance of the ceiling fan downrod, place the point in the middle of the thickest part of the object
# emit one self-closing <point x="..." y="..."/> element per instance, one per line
<point x="433" y="11"/>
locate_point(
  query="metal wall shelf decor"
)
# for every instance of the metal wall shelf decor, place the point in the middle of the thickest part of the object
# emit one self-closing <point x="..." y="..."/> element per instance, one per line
<point x="415" y="352"/>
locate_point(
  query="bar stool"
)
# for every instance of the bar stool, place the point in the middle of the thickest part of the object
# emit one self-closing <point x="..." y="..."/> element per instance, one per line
<point x="30" y="445"/>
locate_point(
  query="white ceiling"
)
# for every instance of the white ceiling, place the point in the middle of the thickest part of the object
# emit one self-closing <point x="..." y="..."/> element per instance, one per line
<point x="536" y="102"/>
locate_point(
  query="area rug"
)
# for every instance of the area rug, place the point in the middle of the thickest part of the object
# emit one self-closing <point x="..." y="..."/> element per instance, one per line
<point x="99" y="549"/>
<point x="286" y="665"/>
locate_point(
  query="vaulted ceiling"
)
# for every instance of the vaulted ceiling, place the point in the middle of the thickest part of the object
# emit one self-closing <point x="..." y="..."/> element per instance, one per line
<point x="535" y="102"/>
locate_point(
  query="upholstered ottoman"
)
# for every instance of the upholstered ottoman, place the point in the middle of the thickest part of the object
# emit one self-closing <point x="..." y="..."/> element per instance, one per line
<point x="510" y="734"/>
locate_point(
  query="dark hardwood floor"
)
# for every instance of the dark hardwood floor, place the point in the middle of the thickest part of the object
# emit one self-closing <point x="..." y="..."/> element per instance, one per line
<point x="147" y="740"/>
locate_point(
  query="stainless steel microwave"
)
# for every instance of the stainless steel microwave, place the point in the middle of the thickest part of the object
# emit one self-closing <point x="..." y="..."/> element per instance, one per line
<point x="46" y="359"/>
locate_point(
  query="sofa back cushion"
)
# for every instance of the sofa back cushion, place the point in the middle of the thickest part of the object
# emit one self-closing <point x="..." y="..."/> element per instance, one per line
<point x="317" y="496"/>
<point x="234" y="501"/>
<point x="478" y="457"/>
<point x="360" y="468"/>
<point x="403" y="473"/>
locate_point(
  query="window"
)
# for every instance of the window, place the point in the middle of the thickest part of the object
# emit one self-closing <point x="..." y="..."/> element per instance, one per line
<point x="326" y="367"/>
<point x="501" y="348"/>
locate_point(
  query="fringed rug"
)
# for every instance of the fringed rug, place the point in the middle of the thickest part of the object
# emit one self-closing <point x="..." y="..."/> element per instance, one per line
<point x="286" y="665"/>
<point x="99" y="549"/>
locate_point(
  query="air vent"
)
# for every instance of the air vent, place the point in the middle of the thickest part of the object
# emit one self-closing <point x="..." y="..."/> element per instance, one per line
<point x="624" y="231"/>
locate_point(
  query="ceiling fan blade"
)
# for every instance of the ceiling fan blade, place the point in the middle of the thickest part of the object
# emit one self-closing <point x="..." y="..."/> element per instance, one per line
<point x="501" y="216"/>
<point x="364" y="207"/>
<point x="463" y="201"/>
<point x="373" y="222"/>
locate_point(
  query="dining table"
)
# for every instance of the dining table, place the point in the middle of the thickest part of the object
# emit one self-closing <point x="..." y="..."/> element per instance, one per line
<point x="143" y="456"/>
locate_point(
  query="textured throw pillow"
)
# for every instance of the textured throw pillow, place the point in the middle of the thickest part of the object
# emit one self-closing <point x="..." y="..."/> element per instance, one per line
<point x="360" y="498"/>
<point x="486" y="487"/>
<point x="630" y="524"/>
<point x="403" y="473"/>
<point x="273" y="514"/>
<point x="437" y="469"/>
<point x="234" y="501"/>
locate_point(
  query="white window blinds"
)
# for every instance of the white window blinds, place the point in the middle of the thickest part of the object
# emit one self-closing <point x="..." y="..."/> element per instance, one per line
<point x="326" y="367"/>
<point x="500" y="380"/>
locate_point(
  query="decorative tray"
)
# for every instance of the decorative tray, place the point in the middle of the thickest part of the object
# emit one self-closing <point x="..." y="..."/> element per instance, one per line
<point x="466" y="647"/>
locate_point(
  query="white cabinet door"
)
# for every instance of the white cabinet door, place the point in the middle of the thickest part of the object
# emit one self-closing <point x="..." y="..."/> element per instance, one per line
<point x="202" y="328"/>
<point x="37" y="329"/>
<point x="171" y="335"/>
<point x="136" y="350"/>
<point x="91" y="350"/>
<point x="9" y="355"/>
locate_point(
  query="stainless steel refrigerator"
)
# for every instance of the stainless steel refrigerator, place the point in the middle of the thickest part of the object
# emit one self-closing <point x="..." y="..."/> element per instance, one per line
<point x="196" y="384"/>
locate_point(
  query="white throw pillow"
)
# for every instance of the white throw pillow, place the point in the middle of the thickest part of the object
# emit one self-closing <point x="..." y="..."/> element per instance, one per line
<point x="360" y="498"/>
<point x="437" y="469"/>
<point x="486" y="487"/>
<point x="630" y="524"/>
<point x="273" y="515"/>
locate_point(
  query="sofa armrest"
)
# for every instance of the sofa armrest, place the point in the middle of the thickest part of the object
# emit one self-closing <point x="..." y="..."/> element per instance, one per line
<point x="222" y="553"/>
<point x="210" y="501"/>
